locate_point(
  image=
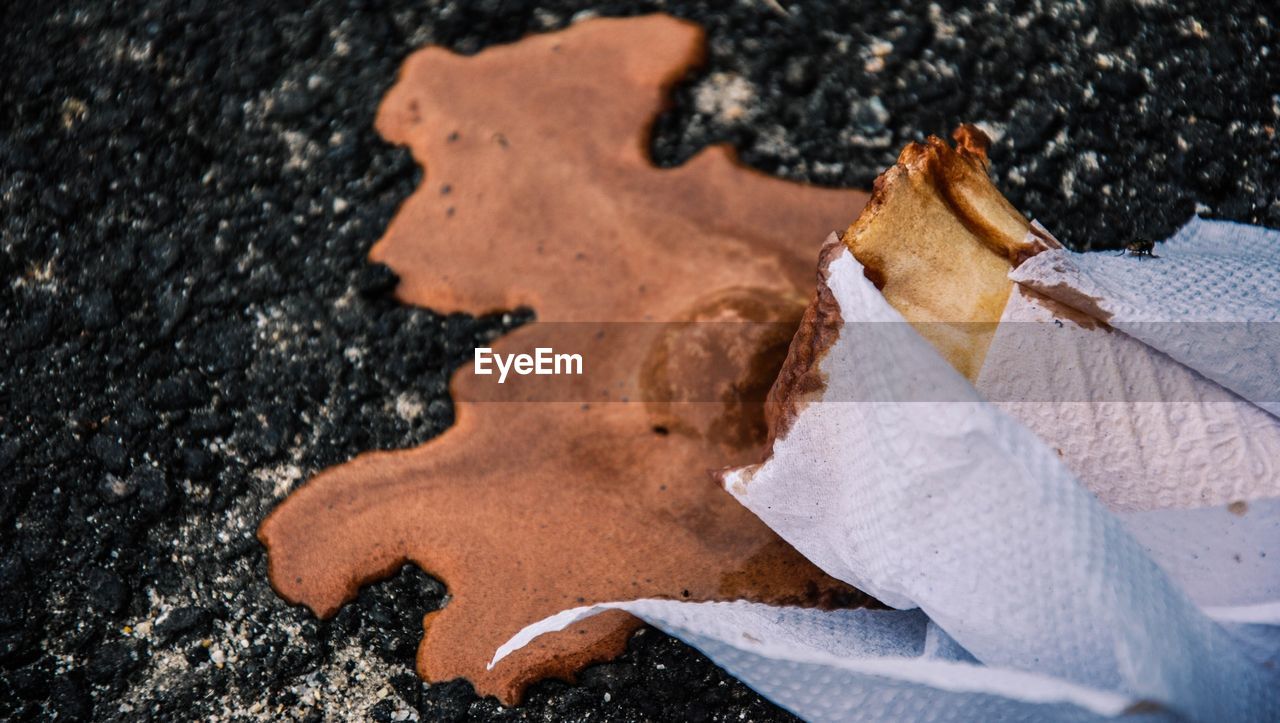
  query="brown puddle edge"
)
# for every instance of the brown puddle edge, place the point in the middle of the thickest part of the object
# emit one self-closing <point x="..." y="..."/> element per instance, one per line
<point x="538" y="191"/>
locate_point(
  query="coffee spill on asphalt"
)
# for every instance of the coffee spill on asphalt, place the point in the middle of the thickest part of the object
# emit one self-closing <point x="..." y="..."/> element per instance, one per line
<point x="538" y="191"/>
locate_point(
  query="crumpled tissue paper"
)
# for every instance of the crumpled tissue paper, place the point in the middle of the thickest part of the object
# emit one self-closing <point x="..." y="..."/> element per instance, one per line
<point x="1038" y="570"/>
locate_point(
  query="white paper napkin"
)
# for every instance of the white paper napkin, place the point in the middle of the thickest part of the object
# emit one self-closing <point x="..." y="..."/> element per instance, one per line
<point x="1217" y="275"/>
<point x="1042" y="603"/>
<point x="864" y="665"/>
<point x="1139" y="429"/>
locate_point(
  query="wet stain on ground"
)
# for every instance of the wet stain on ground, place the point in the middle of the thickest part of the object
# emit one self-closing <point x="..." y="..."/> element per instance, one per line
<point x="525" y="508"/>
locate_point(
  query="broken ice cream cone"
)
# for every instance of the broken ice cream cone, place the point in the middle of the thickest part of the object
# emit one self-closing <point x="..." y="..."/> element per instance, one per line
<point x="940" y="242"/>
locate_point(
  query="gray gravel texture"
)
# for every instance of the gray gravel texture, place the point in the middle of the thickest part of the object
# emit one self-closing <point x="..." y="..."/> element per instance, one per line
<point x="187" y="193"/>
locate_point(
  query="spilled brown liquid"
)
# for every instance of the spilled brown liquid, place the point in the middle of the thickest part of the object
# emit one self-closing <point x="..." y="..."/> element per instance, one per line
<point x="538" y="192"/>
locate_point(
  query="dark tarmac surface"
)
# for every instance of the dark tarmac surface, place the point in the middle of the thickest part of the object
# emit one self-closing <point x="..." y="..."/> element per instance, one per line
<point x="188" y="191"/>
